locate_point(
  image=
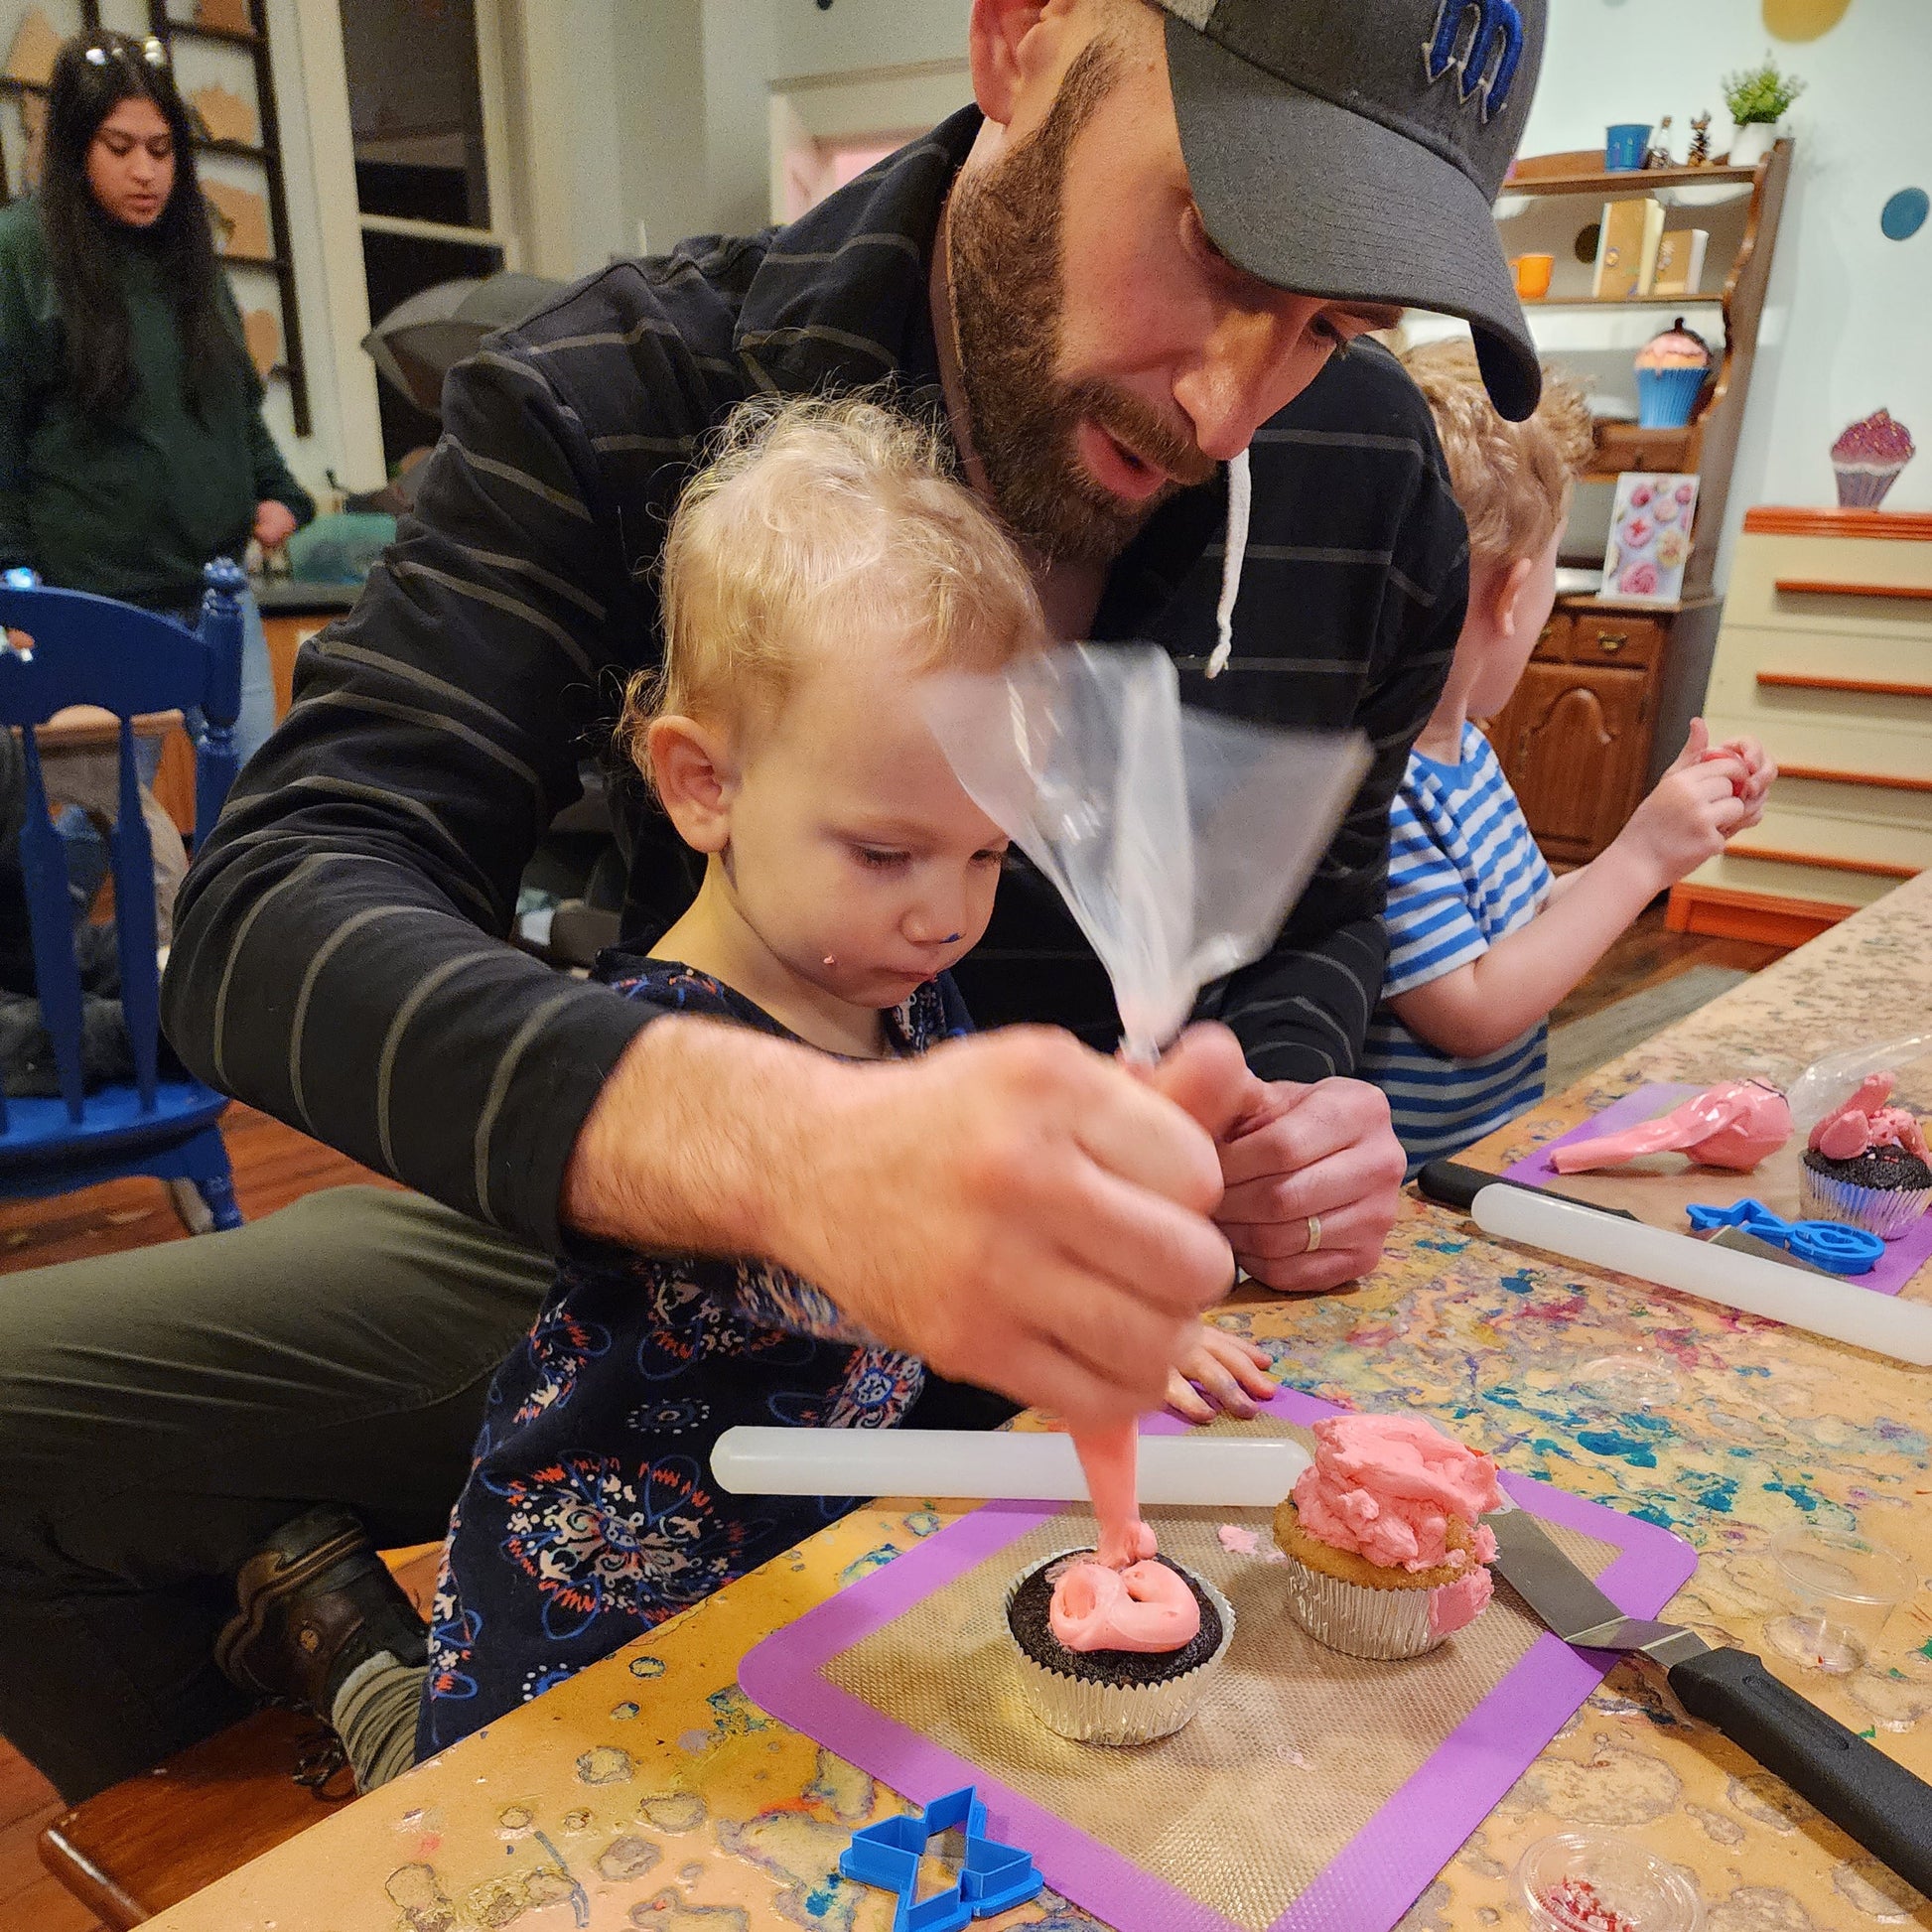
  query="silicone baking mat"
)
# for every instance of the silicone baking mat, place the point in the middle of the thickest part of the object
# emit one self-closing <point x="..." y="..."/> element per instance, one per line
<point x="1659" y="1188"/>
<point x="1312" y="1792"/>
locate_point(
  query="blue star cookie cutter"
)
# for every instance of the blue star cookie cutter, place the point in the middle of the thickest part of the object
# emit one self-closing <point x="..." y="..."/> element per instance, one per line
<point x="1835" y="1245"/>
<point x="991" y="1876"/>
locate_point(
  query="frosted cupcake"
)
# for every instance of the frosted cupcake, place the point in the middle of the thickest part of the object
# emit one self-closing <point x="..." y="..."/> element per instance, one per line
<point x="1386" y="1549"/>
<point x="1866" y="1163"/>
<point x="1115" y="1656"/>
<point x="1868" y="458"/>
<point x="1671" y="370"/>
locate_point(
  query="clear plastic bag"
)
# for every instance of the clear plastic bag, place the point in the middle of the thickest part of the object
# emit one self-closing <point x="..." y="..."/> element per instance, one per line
<point x="1829" y="1082"/>
<point x="1179" y="839"/>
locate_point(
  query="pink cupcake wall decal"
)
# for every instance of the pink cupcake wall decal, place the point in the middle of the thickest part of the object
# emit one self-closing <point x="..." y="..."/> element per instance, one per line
<point x="1868" y="456"/>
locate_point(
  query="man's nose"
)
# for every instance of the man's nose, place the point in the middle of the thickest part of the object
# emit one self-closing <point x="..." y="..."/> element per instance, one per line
<point x="1246" y="371"/>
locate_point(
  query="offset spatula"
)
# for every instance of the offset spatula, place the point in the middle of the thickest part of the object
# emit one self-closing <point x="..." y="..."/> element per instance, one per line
<point x="1854" y="1784"/>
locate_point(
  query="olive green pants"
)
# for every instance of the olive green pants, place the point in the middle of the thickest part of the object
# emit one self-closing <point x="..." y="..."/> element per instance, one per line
<point x="162" y="1412"/>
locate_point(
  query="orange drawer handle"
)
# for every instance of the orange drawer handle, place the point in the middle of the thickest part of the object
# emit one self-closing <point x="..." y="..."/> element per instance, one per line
<point x="1875" y="867"/>
<point x="1892" y="781"/>
<point x="1820" y="587"/>
<point x="1861" y="686"/>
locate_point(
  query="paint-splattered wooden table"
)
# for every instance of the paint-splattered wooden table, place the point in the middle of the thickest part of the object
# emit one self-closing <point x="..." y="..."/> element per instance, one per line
<point x="648" y="1793"/>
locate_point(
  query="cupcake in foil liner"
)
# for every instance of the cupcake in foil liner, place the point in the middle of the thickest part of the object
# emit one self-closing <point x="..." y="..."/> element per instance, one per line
<point x="1358" y="1619"/>
<point x="1090" y="1713"/>
<point x="1884" y="1212"/>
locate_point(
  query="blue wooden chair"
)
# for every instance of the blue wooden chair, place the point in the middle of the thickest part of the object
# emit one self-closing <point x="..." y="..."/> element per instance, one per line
<point x="91" y="651"/>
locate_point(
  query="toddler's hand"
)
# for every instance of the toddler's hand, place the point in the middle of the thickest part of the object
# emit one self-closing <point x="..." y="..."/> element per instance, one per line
<point x="1232" y="1373"/>
<point x="1694" y="810"/>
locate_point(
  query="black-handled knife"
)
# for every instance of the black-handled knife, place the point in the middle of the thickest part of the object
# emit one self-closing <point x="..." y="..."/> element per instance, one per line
<point x="1451" y="1185"/>
<point x="1854" y="1784"/>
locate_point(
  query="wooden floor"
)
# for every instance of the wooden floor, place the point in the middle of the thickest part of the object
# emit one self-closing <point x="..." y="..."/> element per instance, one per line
<point x="274" y="1166"/>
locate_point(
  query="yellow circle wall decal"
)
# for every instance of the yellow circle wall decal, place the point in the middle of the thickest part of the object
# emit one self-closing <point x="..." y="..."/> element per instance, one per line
<point x="1803" y="20"/>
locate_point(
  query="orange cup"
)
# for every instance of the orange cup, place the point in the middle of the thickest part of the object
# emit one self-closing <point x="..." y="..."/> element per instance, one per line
<point x="1533" y="276"/>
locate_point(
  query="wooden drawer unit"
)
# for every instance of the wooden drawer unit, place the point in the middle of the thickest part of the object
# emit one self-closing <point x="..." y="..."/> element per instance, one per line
<point x="1574" y="746"/>
<point x="1826" y="654"/>
<point x="1602" y="710"/>
<point x="1630" y="643"/>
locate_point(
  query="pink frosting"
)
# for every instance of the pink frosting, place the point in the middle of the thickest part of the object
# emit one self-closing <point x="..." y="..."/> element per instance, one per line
<point x="1879" y="438"/>
<point x="1387" y="1487"/>
<point x="1866" y="1121"/>
<point x="1733" y="1125"/>
<point x="1110" y="1460"/>
<point x="1452" y="1606"/>
<point x="1145" y="1606"/>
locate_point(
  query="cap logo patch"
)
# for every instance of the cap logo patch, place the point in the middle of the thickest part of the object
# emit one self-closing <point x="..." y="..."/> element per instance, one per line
<point x="1486" y="58"/>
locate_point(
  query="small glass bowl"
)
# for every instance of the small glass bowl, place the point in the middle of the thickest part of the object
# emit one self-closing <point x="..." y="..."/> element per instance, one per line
<point x="1843" y="1586"/>
<point x="1602" y="1882"/>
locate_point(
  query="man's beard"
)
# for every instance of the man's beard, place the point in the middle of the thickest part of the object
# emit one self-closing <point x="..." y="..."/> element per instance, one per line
<point x="1008" y="296"/>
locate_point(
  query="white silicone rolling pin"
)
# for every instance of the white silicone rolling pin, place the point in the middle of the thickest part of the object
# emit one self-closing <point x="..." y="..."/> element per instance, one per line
<point x="1880" y="1323"/>
<point x="1218" y="1471"/>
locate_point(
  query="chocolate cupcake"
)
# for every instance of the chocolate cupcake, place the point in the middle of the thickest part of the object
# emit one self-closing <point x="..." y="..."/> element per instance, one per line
<point x="1108" y="1696"/>
<point x="1866" y="1163"/>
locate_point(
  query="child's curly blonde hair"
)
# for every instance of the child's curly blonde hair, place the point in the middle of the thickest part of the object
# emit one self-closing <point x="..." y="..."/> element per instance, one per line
<point x="1512" y="480"/>
<point x="817" y="522"/>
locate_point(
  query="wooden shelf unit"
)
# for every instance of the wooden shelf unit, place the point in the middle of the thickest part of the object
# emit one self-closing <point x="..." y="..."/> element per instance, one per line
<point x="1610" y="691"/>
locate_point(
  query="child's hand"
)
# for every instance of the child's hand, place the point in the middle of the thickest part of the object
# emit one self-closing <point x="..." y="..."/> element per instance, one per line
<point x="1755" y="784"/>
<point x="1232" y="1373"/>
<point x="1694" y="810"/>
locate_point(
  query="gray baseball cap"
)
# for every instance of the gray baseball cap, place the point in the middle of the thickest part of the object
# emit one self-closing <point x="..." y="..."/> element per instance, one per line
<point x="1353" y="149"/>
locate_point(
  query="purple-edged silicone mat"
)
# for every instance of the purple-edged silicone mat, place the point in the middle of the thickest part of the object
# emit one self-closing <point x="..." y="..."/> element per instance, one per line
<point x="1658" y="1190"/>
<point x="1378" y="1873"/>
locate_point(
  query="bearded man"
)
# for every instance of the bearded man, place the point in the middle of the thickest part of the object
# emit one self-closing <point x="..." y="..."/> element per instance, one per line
<point x="1145" y="254"/>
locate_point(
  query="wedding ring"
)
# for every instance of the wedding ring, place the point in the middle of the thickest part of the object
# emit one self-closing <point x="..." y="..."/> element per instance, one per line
<point x="1314" y="1234"/>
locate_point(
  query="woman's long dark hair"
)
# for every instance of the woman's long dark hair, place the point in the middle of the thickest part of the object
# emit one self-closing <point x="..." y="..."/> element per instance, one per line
<point x="93" y="74"/>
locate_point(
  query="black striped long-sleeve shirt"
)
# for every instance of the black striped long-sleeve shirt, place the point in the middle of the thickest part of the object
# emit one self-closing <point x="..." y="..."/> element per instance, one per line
<point x="340" y="958"/>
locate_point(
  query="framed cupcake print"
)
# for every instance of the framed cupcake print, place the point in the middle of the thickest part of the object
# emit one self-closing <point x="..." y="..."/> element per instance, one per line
<point x="1650" y="537"/>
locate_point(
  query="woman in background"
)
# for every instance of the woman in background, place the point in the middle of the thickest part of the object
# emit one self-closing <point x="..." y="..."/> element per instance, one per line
<point x="133" y="445"/>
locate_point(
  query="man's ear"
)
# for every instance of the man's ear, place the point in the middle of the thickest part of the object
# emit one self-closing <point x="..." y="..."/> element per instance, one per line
<point x="696" y="780"/>
<point x="1506" y="599"/>
<point x="1001" y="62"/>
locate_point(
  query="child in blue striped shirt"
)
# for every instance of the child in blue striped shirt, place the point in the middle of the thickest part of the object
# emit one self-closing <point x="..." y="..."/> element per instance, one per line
<point x="1483" y="940"/>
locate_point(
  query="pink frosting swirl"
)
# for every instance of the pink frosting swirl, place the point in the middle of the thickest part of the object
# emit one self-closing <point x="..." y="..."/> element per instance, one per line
<point x="1879" y="438"/>
<point x="1145" y="1606"/>
<point x="1388" y="1486"/>
<point x="1865" y="1122"/>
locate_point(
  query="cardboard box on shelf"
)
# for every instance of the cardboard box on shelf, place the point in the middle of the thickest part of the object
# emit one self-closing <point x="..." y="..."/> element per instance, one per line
<point x="1680" y="262"/>
<point x="1626" y="249"/>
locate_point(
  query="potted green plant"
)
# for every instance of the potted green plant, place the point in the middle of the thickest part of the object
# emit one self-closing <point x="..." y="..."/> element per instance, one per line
<point x="1758" y="98"/>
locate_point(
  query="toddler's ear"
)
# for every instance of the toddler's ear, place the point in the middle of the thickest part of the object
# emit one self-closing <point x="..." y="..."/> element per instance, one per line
<point x="695" y="781"/>
<point x="1507" y="595"/>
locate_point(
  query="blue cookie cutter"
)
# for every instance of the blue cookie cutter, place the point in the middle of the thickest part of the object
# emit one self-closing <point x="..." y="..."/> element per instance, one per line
<point x="992" y="1877"/>
<point x="1844" y="1250"/>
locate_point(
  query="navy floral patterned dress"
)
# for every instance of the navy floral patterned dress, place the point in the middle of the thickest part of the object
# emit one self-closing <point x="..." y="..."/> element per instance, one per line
<point x="590" y="1513"/>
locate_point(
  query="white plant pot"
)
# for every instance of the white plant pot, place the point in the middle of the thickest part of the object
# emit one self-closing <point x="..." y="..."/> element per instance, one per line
<point x="1750" y="143"/>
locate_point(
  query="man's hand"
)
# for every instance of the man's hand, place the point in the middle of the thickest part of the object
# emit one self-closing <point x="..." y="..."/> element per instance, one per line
<point x="274" y="524"/>
<point x="1288" y="1151"/>
<point x="1325" y="1152"/>
<point x="1015" y="1209"/>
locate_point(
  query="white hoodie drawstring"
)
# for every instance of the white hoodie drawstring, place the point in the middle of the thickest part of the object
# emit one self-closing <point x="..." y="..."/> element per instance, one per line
<point x="1240" y="501"/>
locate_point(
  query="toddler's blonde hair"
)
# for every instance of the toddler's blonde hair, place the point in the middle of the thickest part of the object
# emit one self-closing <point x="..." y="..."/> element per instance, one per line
<point x="815" y="521"/>
<point x="1512" y="480"/>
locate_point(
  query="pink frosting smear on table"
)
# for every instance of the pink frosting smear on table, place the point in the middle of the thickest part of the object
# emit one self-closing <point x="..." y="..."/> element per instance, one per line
<point x="1236" y="1541"/>
<point x="1145" y="1606"/>
<point x="1733" y="1125"/>
<point x="1453" y="1606"/>
<point x="1865" y="1122"/>
<point x="1387" y="1487"/>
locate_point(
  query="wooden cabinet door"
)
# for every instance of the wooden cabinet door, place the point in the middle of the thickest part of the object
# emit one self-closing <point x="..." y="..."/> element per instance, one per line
<point x="1573" y="741"/>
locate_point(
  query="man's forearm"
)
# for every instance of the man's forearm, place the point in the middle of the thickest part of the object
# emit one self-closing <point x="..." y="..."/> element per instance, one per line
<point x="1300" y="1012"/>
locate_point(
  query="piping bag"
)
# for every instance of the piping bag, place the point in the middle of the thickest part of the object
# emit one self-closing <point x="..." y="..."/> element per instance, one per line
<point x="1178" y="840"/>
